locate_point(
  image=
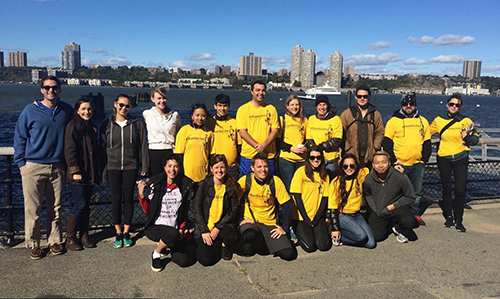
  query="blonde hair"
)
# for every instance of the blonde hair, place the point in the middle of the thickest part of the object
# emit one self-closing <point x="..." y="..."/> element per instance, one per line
<point x="161" y="90"/>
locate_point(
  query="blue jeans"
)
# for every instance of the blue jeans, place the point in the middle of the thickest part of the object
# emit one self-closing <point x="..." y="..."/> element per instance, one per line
<point x="80" y="198"/>
<point x="245" y="166"/>
<point x="287" y="170"/>
<point x="416" y="175"/>
<point x="355" y="231"/>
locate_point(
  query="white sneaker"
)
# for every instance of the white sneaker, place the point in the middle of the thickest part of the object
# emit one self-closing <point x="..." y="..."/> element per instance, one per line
<point x="399" y="236"/>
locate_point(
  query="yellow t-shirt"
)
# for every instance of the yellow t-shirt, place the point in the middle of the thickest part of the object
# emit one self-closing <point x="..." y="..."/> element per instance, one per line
<point x="196" y="145"/>
<point x="215" y="212"/>
<point x="295" y="134"/>
<point x="451" y="141"/>
<point x="261" y="203"/>
<point x="312" y="192"/>
<point x="355" y="199"/>
<point x="323" y="130"/>
<point x="258" y="121"/>
<point x="408" y="135"/>
<point x="226" y="139"/>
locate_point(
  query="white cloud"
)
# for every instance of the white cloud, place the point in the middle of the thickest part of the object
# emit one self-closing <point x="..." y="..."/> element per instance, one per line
<point x="272" y="62"/>
<point x="99" y="51"/>
<point x="491" y="69"/>
<point x="378" y="45"/>
<point x="116" y="61"/>
<point x="447" y="59"/>
<point x="50" y="61"/>
<point x="177" y="63"/>
<point x="203" y="56"/>
<point x="373" y="70"/>
<point x="415" y="61"/>
<point x="371" y="59"/>
<point x="443" y="40"/>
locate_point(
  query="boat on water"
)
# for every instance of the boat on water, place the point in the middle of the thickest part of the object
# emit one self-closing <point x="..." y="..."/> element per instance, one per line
<point x="311" y="93"/>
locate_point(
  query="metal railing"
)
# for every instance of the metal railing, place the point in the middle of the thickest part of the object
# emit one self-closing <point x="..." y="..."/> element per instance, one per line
<point x="483" y="183"/>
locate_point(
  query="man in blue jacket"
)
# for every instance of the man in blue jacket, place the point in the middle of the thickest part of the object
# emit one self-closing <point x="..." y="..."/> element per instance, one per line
<point x="39" y="153"/>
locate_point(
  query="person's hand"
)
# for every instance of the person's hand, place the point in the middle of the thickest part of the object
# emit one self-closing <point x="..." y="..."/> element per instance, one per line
<point x="21" y="169"/>
<point x="391" y="207"/>
<point x="298" y="150"/>
<point x="207" y="239"/>
<point x="140" y="187"/>
<point x="245" y="221"/>
<point x="143" y="173"/>
<point x="336" y="236"/>
<point x="277" y="232"/>
<point x="399" y="168"/>
<point x="464" y="133"/>
<point x="260" y="148"/>
<point x="77" y="177"/>
<point x="214" y="233"/>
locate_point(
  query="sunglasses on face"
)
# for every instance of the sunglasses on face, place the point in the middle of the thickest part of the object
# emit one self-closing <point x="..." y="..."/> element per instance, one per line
<point x="347" y="166"/>
<point x="365" y="96"/>
<point x="312" y="158"/>
<point x="411" y="103"/>
<point x="48" y="87"/>
<point x="121" y="105"/>
<point x="458" y="105"/>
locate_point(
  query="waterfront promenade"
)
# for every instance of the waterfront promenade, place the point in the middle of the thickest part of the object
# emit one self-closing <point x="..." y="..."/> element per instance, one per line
<point x="442" y="263"/>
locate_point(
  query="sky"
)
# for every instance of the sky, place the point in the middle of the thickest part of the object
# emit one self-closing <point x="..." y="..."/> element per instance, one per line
<point x="376" y="37"/>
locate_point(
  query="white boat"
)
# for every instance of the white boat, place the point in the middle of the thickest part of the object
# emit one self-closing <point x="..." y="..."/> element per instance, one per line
<point x="311" y="93"/>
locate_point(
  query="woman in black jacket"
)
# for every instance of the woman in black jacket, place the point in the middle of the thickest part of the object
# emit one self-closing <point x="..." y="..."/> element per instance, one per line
<point x="216" y="208"/>
<point x="165" y="198"/>
<point x="80" y="153"/>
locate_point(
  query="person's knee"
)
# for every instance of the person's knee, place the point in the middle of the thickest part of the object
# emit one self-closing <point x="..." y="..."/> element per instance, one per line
<point x="287" y="254"/>
<point x="325" y="245"/>
<point x="306" y="246"/>
<point x="206" y="260"/>
<point x="250" y="235"/>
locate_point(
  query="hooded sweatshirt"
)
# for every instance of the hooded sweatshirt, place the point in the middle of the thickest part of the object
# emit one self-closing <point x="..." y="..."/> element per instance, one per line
<point x="396" y="189"/>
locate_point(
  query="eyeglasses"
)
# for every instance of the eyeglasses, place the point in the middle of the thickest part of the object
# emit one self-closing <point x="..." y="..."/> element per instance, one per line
<point x="347" y="166"/>
<point x="364" y="96"/>
<point x="458" y="105"/>
<point x="124" y="105"/>
<point x="48" y="87"/>
<point x="312" y="158"/>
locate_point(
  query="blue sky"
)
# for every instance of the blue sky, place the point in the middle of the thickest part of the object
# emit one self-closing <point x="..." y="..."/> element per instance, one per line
<point x="378" y="37"/>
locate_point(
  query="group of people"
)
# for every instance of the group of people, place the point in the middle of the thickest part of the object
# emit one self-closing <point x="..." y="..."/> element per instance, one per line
<point x="249" y="185"/>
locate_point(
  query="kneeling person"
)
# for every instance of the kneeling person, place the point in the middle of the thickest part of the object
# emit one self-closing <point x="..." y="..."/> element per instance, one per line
<point x="263" y="195"/>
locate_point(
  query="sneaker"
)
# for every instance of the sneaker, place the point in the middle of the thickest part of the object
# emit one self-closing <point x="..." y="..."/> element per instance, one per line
<point x="450" y="223"/>
<point x="227" y="254"/>
<point x="127" y="242"/>
<point x="467" y="206"/>
<point x="460" y="228"/>
<point x="156" y="264"/>
<point x="399" y="236"/>
<point x="118" y="243"/>
<point x="420" y="220"/>
<point x="165" y="252"/>
<point x="36" y="253"/>
<point x="56" y="249"/>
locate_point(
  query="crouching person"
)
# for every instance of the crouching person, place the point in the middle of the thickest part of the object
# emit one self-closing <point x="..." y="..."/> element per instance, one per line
<point x="263" y="194"/>
<point x="166" y="199"/>
<point x="216" y="212"/>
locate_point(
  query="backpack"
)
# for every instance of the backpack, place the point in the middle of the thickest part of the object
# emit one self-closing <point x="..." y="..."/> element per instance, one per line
<point x="272" y="187"/>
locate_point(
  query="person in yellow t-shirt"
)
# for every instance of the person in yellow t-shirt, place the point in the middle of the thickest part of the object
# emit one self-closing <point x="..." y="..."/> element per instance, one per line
<point x="227" y="140"/>
<point x="258" y="125"/>
<point x="195" y="141"/>
<point x="309" y="191"/>
<point x="216" y="211"/>
<point x="292" y="138"/>
<point x="261" y="227"/>
<point x="453" y="157"/>
<point x="344" y="203"/>
<point x="408" y="141"/>
<point x="325" y="129"/>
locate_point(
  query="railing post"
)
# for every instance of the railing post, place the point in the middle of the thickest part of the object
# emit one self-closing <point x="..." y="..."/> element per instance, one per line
<point x="10" y="207"/>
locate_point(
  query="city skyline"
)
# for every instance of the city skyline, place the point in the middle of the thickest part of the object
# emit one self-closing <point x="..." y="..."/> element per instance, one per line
<point x="392" y="37"/>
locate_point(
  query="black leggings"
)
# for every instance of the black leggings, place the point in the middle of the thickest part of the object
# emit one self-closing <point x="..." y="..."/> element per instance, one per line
<point x="122" y="185"/>
<point x="312" y="238"/>
<point x="255" y="237"/>
<point x="156" y="161"/>
<point x="459" y="170"/>
<point x="210" y="255"/>
<point x="182" y="252"/>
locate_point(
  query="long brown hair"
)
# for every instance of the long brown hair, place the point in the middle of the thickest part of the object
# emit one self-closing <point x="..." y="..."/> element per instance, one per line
<point x="321" y="169"/>
<point x="301" y="110"/>
<point x="228" y="180"/>
<point x="342" y="177"/>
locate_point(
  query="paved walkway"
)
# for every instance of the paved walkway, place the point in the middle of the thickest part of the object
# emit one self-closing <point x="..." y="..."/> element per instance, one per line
<point x="441" y="264"/>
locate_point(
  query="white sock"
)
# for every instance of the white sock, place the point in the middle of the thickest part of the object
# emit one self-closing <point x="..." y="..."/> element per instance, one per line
<point x="156" y="255"/>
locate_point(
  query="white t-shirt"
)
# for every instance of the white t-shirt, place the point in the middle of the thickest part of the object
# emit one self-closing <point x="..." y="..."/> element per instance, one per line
<point x="161" y="128"/>
<point x="170" y="205"/>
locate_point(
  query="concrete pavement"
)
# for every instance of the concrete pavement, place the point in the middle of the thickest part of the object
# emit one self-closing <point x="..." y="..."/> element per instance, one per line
<point x="442" y="263"/>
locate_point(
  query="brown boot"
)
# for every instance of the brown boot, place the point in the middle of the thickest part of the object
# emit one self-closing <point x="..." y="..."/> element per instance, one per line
<point x="84" y="229"/>
<point x="71" y="243"/>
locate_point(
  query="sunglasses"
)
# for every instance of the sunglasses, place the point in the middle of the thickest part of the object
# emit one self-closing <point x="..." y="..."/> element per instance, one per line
<point x="411" y="103"/>
<point x="347" y="166"/>
<point x="312" y="158"/>
<point x="458" y="105"/>
<point x="124" y="105"/>
<point x="365" y="96"/>
<point x="54" y="88"/>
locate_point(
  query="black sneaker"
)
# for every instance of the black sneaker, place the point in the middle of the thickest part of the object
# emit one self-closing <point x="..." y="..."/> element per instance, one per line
<point x="156" y="264"/>
<point x="227" y="254"/>
<point x="450" y="223"/>
<point x="460" y="228"/>
<point x="467" y="206"/>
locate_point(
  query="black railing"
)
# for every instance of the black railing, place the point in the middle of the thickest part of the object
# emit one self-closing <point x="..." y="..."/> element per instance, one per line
<point x="483" y="183"/>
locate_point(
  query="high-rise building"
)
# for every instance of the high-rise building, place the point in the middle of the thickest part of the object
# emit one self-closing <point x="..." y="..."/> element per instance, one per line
<point x="303" y="66"/>
<point x="472" y="69"/>
<point x="1" y="60"/>
<point x="282" y="72"/>
<point x="18" y="59"/>
<point x="349" y="71"/>
<point x="336" y="61"/>
<point x="71" y="57"/>
<point x="222" y="70"/>
<point x="250" y="65"/>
